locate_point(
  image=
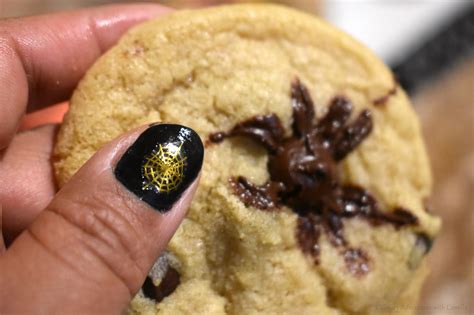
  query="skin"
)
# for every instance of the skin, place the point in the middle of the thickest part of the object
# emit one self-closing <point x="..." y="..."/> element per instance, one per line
<point x="87" y="248"/>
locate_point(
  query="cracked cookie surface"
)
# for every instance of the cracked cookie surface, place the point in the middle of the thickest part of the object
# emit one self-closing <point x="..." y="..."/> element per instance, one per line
<point x="214" y="68"/>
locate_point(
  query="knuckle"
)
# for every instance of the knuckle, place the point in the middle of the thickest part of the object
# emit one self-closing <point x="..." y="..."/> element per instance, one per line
<point x="107" y="231"/>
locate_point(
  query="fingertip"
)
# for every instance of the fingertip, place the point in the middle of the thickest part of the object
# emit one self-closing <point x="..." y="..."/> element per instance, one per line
<point x="161" y="164"/>
<point x="106" y="230"/>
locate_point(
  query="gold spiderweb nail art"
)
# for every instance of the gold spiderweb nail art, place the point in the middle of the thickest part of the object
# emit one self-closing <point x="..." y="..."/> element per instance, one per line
<point x="163" y="168"/>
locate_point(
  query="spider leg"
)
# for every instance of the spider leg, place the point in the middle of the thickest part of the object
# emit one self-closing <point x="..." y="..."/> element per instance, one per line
<point x="303" y="108"/>
<point x="335" y="225"/>
<point x="352" y="135"/>
<point x="308" y="235"/>
<point x="264" y="197"/>
<point x="333" y="122"/>
<point x="266" y="130"/>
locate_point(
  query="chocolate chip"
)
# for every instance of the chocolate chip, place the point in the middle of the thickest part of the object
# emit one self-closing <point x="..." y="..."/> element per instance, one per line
<point x="168" y="284"/>
<point x="164" y="272"/>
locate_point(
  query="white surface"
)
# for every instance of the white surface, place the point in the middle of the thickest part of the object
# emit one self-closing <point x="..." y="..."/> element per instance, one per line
<point x="390" y="27"/>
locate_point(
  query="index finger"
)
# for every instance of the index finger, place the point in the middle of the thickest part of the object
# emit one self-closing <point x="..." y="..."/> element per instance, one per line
<point x="44" y="57"/>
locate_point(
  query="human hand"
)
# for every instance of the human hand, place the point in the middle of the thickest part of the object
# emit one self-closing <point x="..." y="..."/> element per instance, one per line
<point x="91" y="247"/>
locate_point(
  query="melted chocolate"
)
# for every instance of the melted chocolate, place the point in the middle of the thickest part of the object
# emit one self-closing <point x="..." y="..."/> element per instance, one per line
<point x="167" y="285"/>
<point x="262" y="197"/>
<point x="265" y="129"/>
<point x="308" y="236"/>
<point x="304" y="176"/>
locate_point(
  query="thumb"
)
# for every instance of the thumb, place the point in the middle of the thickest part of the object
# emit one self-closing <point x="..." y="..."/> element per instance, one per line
<point x="90" y="250"/>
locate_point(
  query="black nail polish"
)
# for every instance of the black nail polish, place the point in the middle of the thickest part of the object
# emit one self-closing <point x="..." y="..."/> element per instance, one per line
<point x="161" y="164"/>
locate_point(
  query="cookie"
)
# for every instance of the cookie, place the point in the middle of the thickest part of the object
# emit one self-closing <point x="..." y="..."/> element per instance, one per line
<point x="315" y="176"/>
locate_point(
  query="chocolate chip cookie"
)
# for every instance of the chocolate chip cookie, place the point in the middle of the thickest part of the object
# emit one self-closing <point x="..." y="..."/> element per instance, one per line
<point x="315" y="176"/>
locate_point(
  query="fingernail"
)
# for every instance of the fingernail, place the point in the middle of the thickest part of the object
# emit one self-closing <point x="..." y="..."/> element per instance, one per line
<point x="161" y="164"/>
